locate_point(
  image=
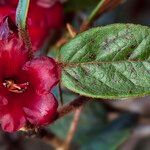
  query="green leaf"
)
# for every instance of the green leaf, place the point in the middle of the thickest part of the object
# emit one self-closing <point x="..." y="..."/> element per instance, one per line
<point x="76" y="5"/>
<point x="108" y="62"/>
<point x="112" y="135"/>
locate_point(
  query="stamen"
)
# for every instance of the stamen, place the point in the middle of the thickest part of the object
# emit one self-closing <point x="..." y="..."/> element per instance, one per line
<point x="16" y="88"/>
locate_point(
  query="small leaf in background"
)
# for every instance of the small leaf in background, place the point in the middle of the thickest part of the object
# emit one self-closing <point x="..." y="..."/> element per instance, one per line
<point x="93" y="115"/>
<point x="108" y="62"/>
<point x="76" y="5"/>
<point x="93" y="131"/>
<point x="112" y="135"/>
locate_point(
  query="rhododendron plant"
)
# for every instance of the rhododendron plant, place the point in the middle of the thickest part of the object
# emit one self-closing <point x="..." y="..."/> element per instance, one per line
<point x="61" y="99"/>
<point x="25" y="83"/>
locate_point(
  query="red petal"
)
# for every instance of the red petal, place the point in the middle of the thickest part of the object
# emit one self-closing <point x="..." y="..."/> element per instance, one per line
<point x="42" y="73"/>
<point x="12" y="57"/>
<point x="7" y="29"/>
<point x="38" y="26"/>
<point x="41" y="109"/>
<point x="55" y="15"/>
<point x="10" y="123"/>
<point x="11" y="118"/>
<point x="7" y="10"/>
<point x="12" y="51"/>
<point x="3" y="101"/>
<point x="12" y="2"/>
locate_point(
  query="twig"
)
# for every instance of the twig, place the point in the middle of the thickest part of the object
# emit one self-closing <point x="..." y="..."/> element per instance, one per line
<point x="71" y="30"/>
<point x="47" y="136"/>
<point x="103" y="6"/>
<point x="60" y="94"/>
<point x="71" y="107"/>
<point x="50" y="138"/>
<point x="96" y="10"/>
<point x="21" y="21"/>
<point x="73" y="129"/>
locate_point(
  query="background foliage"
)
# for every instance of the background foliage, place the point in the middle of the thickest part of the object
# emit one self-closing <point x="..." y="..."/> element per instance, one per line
<point x="103" y="124"/>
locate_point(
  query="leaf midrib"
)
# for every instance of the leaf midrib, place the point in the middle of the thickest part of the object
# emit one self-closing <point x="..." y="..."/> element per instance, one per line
<point x="64" y="65"/>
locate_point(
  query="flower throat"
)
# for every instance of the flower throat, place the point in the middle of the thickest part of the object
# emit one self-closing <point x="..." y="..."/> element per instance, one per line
<point x="15" y="88"/>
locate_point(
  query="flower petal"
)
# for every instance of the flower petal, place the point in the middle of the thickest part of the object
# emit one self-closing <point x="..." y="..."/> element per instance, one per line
<point x="37" y="26"/>
<point x="10" y="123"/>
<point x="7" y="29"/>
<point x="42" y="73"/>
<point x="3" y="101"/>
<point x="55" y="16"/>
<point x="12" y="50"/>
<point x="41" y="110"/>
<point x="11" y="118"/>
<point x="7" y="10"/>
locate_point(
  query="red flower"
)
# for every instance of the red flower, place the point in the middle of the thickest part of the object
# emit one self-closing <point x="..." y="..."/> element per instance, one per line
<point x="40" y="19"/>
<point x="53" y="12"/>
<point x="25" y="83"/>
<point x="13" y="2"/>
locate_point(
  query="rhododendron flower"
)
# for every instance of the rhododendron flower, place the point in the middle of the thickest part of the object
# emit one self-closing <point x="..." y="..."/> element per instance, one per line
<point x="40" y="19"/>
<point x="25" y="83"/>
<point x="53" y="12"/>
<point x="13" y="2"/>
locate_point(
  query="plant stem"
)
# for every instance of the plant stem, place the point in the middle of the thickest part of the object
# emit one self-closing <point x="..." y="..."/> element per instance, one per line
<point x="73" y="129"/>
<point x="21" y="13"/>
<point x="103" y="6"/>
<point x="71" y="30"/>
<point x="95" y="11"/>
<point x="21" y="21"/>
<point x="92" y="16"/>
<point x="50" y="138"/>
<point x="71" y="107"/>
<point x="60" y="94"/>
